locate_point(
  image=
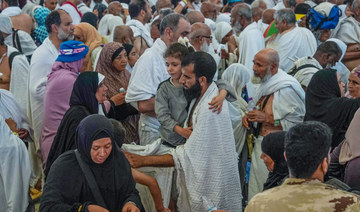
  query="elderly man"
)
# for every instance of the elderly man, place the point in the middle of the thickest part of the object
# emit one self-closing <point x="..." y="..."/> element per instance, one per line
<point x="109" y="21"/>
<point x="123" y="34"/>
<point x="149" y="71"/>
<point x="59" y="26"/>
<point x="140" y="13"/>
<point x="348" y="31"/>
<point x="210" y="10"/>
<point x="292" y="42"/>
<point x="281" y="104"/>
<point x="326" y="55"/>
<point x="257" y="9"/>
<point x="307" y="153"/>
<point x="207" y="180"/>
<point x="200" y="37"/>
<point x="20" y="20"/>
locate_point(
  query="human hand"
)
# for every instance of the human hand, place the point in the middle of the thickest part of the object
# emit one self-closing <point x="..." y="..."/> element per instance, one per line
<point x="136" y="161"/>
<point x="130" y="207"/>
<point x="11" y="123"/>
<point x="118" y="99"/>
<point x="256" y="116"/>
<point x="96" y="208"/>
<point x="224" y="54"/>
<point x="245" y="122"/>
<point x="23" y="133"/>
<point x="217" y="102"/>
<point x="186" y="132"/>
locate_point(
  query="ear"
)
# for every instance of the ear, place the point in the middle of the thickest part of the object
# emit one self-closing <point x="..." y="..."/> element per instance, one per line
<point x="54" y="28"/>
<point x="142" y="13"/>
<point x="285" y="156"/>
<point x="202" y="81"/>
<point x="168" y="32"/>
<point x="325" y="165"/>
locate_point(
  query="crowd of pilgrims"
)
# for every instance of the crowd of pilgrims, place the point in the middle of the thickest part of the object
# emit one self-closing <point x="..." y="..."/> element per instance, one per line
<point x="90" y="88"/>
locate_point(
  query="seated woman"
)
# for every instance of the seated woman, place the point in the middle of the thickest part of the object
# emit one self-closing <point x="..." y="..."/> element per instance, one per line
<point x="325" y="102"/>
<point x="88" y="34"/>
<point x="354" y="84"/>
<point x="112" y="64"/>
<point x="96" y="159"/>
<point x="273" y="157"/>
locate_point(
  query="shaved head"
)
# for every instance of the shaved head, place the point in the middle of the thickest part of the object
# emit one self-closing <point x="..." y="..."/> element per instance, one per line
<point x="123" y="34"/>
<point x="195" y="16"/>
<point x="268" y="16"/>
<point x="199" y="29"/>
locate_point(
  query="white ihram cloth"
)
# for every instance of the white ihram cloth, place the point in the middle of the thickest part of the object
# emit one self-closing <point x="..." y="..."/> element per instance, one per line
<point x="348" y="31"/>
<point x="41" y="64"/>
<point x="76" y="19"/>
<point x="304" y="75"/>
<point x="341" y="69"/>
<point x="148" y="72"/>
<point x="297" y="43"/>
<point x="207" y="165"/>
<point x="164" y="176"/>
<point x="238" y="76"/>
<point x="19" y="79"/>
<point x="251" y="41"/>
<point x="14" y="171"/>
<point x="107" y="25"/>
<point x="11" y="11"/>
<point x="139" y="29"/>
<point x="289" y="98"/>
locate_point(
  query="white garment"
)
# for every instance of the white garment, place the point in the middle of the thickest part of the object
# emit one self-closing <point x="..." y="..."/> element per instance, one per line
<point x="107" y="24"/>
<point x="14" y="171"/>
<point x="289" y="98"/>
<point x="129" y="68"/>
<point x="207" y="164"/>
<point x="5" y="24"/>
<point x="238" y="76"/>
<point x="224" y="17"/>
<point x="304" y="75"/>
<point x="279" y="6"/>
<point x="11" y="11"/>
<point x="148" y="72"/>
<point x="139" y="29"/>
<point x="297" y="43"/>
<point x="83" y="8"/>
<point x="341" y="69"/>
<point x="270" y="3"/>
<point x="197" y="6"/>
<point x="41" y="64"/>
<point x="10" y="108"/>
<point x="221" y="30"/>
<point x="92" y="4"/>
<point x="76" y="19"/>
<point x="19" y="79"/>
<point x="28" y="45"/>
<point x="262" y="26"/>
<point x="164" y="176"/>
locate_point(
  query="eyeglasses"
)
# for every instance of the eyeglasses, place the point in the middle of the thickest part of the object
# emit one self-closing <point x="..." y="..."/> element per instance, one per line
<point x="209" y="37"/>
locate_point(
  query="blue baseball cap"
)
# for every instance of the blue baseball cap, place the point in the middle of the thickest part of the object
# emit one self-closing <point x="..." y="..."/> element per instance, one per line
<point x="72" y="50"/>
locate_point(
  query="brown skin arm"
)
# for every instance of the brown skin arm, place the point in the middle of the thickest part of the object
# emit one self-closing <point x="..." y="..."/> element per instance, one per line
<point x="232" y="44"/>
<point x="153" y="186"/>
<point x="137" y="161"/>
<point x="352" y="52"/>
<point x="147" y="106"/>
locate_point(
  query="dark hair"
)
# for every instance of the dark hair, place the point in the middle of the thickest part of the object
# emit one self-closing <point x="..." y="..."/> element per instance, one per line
<point x="329" y="47"/>
<point x="118" y="132"/>
<point x="171" y="20"/>
<point x="12" y="2"/>
<point x="100" y="8"/>
<point x="306" y="145"/>
<point x="204" y="64"/>
<point x="90" y="18"/>
<point x="135" y="7"/>
<point x="2" y="39"/>
<point x="302" y="8"/>
<point x="176" y="50"/>
<point x="52" y="18"/>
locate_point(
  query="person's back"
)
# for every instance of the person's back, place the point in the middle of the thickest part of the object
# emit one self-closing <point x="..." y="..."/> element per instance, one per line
<point x="307" y="153"/>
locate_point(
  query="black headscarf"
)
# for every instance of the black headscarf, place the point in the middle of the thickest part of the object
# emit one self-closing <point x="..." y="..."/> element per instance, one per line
<point x="90" y="18"/>
<point x="128" y="48"/>
<point x="84" y="91"/>
<point x="323" y="102"/>
<point x="100" y="8"/>
<point x="273" y="146"/>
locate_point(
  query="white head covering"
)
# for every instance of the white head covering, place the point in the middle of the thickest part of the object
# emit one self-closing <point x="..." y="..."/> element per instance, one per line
<point x="224" y="17"/>
<point x="5" y="24"/>
<point x="238" y="76"/>
<point x="339" y="66"/>
<point x="221" y="30"/>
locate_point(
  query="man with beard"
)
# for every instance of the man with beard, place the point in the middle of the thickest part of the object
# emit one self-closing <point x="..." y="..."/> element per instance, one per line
<point x="206" y="181"/>
<point x="140" y="13"/>
<point x="149" y="71"/>
<point x="59" y="27"/>
<point x="281" y="105"/>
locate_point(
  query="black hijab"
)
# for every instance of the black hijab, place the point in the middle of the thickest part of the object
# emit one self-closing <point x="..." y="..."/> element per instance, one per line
<point x="273" y="146"/>
<point x="323" y="102"/>
<point x="111" y="176"/>
<point x="84" y="91"/>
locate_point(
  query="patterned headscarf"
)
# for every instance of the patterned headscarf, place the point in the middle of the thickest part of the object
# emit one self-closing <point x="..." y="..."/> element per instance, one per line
<point x="91" y="38"/>
<point x="114" y="79"/>
<point x="40" y="15"/>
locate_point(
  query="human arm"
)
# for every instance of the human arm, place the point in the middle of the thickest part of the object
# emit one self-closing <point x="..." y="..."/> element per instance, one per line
<point x="225" y="91"/>
<point x="153" y="186"/>
<point x="137" y="161"/>
<point x="147" y="106"/>
<point x="184" y="132"/>
<point x="352" y="51"/>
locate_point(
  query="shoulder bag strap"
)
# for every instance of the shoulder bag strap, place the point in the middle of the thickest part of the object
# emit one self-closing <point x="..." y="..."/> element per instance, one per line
<point x="90" y="179"/>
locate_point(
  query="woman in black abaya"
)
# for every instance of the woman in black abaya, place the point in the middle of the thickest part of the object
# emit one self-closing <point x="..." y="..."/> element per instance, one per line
<point x="67" y="187"/>
<point x="325" y="102"/>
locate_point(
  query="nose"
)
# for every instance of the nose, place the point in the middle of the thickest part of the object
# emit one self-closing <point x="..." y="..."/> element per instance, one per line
<point x="102" y="152"/>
